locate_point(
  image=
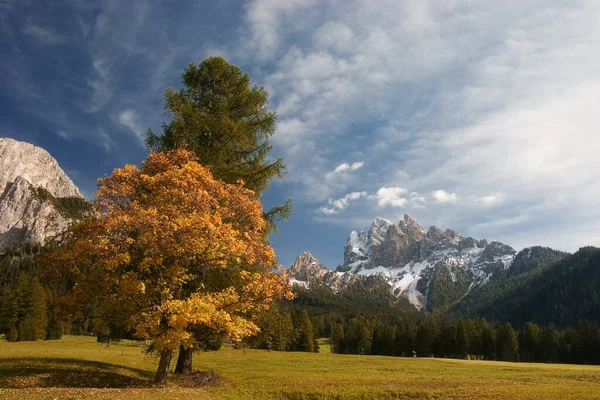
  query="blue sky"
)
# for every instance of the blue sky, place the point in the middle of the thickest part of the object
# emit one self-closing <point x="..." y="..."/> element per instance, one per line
<point x="473" y="115"/>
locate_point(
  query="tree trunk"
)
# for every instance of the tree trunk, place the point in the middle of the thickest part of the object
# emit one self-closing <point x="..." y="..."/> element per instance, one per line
<point x="184" y="361"/>
<point x="163" y="366"/>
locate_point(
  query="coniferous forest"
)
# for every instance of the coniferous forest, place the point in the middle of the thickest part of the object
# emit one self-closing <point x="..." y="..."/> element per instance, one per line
<point x="360" y="320"/>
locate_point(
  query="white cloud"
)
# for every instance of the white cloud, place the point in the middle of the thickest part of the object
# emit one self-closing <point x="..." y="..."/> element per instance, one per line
<point x="342" y="203"/>
<point x="441" y="196"/>
<point x="347" y="167"/>
<point x="129" y="119"/>
<point x="44" y="35"/>
<point x="491" y="199"/>
<point x="391" y="196"/>
<point x="480" y="99"/>
<point x="416" y="200"/>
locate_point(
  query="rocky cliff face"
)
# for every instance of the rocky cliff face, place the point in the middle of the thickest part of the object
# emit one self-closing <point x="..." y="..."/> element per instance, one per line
<point x="306" y="269"/>
<point x="37" y="199"/>
<point x="431" y="268"/>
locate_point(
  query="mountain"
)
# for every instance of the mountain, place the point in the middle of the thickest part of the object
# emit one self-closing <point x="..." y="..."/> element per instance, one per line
<point x="561" y="292"/>
<point x="307" y="271"/>
<point x="37" y="198"/>
<point x="431" y="268"/>
<point x="322" y="289"/>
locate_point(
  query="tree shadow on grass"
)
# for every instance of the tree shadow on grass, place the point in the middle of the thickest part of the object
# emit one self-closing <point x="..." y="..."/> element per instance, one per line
<point x="69" y="373"/>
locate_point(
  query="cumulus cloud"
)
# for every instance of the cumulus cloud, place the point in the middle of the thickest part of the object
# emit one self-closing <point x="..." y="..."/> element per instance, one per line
<point x="391" y="196"/>
<point x="441" y="196"/>
<point x="340" y="204"/>
<point x="482" y="99"/>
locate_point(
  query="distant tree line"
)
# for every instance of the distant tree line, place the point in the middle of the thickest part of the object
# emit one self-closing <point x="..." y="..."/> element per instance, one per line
<point x="27" y="308"/>
<point x="358" y="322"/>
<point x="466" y="338"/>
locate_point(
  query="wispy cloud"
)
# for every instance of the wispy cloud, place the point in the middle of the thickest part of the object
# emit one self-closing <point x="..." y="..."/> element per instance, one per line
<point x="129" y="119"/>
<point x="456" y="96"/>
<point x="43" y="35"/>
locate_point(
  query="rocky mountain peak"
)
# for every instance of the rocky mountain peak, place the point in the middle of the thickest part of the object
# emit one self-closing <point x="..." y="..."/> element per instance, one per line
<point x="412" y="259"/>
<point x="37" y="199"/>
<point x="36" y="165"/>
<point x="435" y="234"/>
<point x="307" y="267"/>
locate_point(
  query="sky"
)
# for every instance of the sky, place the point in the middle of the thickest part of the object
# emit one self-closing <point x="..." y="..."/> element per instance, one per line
<point x="473" y="115"/>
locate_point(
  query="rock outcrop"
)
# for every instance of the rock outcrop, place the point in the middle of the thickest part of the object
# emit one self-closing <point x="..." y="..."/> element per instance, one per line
<point x="37" y="199"/>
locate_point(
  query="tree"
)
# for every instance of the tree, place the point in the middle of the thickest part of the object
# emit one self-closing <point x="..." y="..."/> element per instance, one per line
<point x="223" y="119"/>
<point x="488" y="340"/>
<point x="529" y="342"/>
<point x="304" y="332"/>
<point x="427" y="337"/>
<point x="462" y="339"/>
<point x="507" y="345"/>
<point x="23" y="310"/>
<point x="168" y="251"/>
<point x="337" y="339"/>
<point x="276" y="330"/>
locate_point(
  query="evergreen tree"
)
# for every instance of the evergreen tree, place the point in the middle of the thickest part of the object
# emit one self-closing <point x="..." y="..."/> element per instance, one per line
<point x="224" y="120"/>
<point x="304" y="332"/>
<point x="337" y="339"/>
<point x="488" y="340"/>
<point x="462" y="339"/>
<point x="549" y="345"/>
<point x="427" y="337"/>
<point x="507" y="345"/>
<point x="529" y="342"/>
<point x="23" y="314"/>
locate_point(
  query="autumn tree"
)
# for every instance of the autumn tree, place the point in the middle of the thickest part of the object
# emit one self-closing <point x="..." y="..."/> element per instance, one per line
<point x="223" y="118"/>
<point x="169" y="252"/>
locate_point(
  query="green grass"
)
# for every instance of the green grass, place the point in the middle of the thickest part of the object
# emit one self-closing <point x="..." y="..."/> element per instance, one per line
<point x="78" y="367"/>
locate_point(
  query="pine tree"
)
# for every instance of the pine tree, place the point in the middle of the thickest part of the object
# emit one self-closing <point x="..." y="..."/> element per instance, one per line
<point x="462" y="339"/>
<point x="224" y="120"/>
<point x="337" y="339"/>
<point x="488" y="340"/>
<point x="529" y="342"/>
<point x="507" y="345"/>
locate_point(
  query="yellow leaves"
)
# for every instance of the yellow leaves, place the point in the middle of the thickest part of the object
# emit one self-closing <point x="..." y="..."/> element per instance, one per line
<point x="156" y="232"/>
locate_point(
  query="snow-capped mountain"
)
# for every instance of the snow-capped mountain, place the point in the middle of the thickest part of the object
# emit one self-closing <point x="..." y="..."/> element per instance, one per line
<point x="307" y="270"/>
<point x="431" y="268"/>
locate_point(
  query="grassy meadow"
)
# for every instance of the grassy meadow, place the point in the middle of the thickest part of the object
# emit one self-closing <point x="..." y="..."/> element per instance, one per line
<point x="78" y="367"/>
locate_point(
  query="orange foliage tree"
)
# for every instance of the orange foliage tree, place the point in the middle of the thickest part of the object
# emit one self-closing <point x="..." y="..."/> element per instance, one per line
<point x="170" y="251"/>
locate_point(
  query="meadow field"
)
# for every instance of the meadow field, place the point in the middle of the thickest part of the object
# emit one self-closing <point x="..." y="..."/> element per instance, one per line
<point x="78" y="367"/>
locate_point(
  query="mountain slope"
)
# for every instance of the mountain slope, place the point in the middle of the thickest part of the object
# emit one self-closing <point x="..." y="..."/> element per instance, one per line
<point x="560" y="293"/>
<point x="37" y="198"/>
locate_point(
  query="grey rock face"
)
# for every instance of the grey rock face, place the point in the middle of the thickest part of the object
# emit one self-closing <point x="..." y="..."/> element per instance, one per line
<point x="414" y="260"/>
<point x="35" y="165"/>
<point x="24" y="214"/>
<point x="307" y="270"/>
